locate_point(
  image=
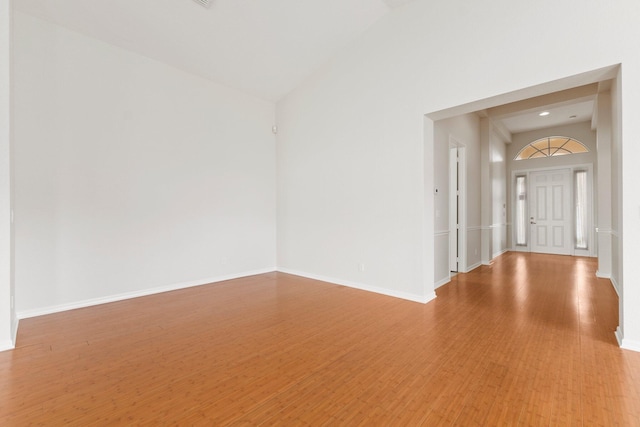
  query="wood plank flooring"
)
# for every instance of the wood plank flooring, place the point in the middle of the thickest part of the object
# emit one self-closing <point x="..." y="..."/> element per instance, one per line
<point x="526" y="341"/>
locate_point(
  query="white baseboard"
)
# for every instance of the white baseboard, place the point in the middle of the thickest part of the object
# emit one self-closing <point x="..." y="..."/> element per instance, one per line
<point x="613" y="282"/>
<point x="630" y="345"/>
<point x="441" y="282"/>
<point x="10" y="344"/>
<point x="389" y="292"/>
<point x="619" y="336"/>
<point x="625" y="343"/>
<point x="615" y="285"/>
<point x="474" y="266"/>
<point x="6" y="345"/>
<point x="135" y="294"/>
<point x="14" y="331"/>
<point x="502" y="252"/>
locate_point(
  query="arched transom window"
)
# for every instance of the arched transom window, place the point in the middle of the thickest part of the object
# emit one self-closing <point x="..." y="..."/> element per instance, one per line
<point x="550" y="147"/>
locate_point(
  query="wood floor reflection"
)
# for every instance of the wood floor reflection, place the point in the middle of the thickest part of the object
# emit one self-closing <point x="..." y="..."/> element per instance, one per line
<point x="528" y="340"/>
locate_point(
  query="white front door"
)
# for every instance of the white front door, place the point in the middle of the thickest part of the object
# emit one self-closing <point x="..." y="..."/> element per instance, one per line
<point x="550" y="211"/>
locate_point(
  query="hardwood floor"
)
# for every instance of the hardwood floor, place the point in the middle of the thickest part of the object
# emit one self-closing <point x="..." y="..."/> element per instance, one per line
<point x="526" y="341"/>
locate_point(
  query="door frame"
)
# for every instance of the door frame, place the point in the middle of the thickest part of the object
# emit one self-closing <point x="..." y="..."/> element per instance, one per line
<point x="591" y="251"/>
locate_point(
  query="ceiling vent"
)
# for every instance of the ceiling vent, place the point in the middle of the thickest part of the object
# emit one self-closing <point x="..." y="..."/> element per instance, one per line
<point x="204" y="3"/>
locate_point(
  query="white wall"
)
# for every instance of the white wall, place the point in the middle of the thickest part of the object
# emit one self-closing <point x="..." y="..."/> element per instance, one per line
<point x="626" y="295"/>
<point x="493" y="183"/>
<point x="604" y="185"/>
<point x="473" y="191"/>
<point x="499" y="198"/>
<point x="441" y="208"/>
<point x="131" y="176"/>
<point x="351" y="179"/>
<point x="337" y="221"/>
<point x="8" y="322"/>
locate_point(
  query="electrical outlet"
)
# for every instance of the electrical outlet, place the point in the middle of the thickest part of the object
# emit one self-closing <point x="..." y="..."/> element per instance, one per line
<point x="361" y="267"/>
<point x="224" y="260"/>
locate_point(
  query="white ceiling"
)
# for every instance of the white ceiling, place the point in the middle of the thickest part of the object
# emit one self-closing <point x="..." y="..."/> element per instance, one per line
<point x="558" y="115"/>
<point x="567" y="106"/>
<point x="265" y="48"/>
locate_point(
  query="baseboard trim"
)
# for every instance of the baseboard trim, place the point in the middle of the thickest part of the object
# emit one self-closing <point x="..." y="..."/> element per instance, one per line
<point x="614" y="283"/>
<point x="136" y="294"/>
<point x="502" y="252"/>
<point x="630" y="345"/>
<point x="6" y="345"/>
<point x="625" y="343"/>
<point x="602" y="276"/>
<point x="618" y="334"/>
<point x="10" y="344"/>
<point x="474" y="266"/>
<point x="388" y="292"/>
<point x="441" y="282"/>
<point x="14" y="331"/>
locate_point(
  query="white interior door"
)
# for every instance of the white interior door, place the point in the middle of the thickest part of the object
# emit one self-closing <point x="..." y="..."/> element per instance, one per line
<point x="454" y="224"/>
<point x="550" y="211"/>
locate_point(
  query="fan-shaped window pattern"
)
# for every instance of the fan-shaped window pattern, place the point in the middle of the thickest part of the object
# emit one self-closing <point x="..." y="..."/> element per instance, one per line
<point x="550" y="147"/>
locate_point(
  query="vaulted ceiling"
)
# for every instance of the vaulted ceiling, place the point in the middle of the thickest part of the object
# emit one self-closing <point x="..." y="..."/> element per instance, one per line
<point x="265" y="48"/>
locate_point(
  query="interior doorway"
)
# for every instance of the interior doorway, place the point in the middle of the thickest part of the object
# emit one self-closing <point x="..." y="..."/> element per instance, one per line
<point x="601" y="189"/>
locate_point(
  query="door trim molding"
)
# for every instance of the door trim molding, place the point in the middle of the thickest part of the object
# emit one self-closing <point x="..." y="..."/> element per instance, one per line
<point x="573" y="168"/>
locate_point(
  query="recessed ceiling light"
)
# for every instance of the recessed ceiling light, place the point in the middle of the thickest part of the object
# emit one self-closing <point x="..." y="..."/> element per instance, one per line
<point x="544" y="113"/>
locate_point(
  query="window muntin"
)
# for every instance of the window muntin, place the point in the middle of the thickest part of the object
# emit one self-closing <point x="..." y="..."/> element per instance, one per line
<point x="550" y="147"/>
